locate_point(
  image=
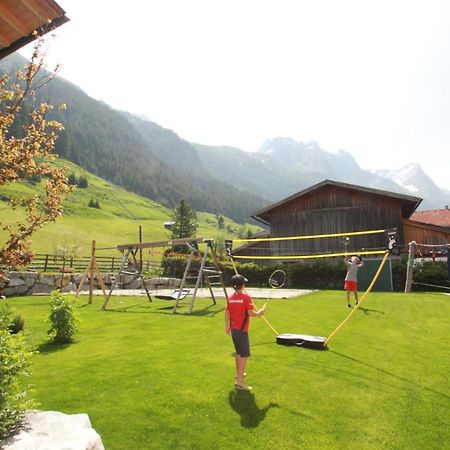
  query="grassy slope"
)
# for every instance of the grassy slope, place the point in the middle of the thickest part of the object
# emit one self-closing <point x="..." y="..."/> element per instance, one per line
<point x="151" y="379"/>
<point x="117" y="221"/>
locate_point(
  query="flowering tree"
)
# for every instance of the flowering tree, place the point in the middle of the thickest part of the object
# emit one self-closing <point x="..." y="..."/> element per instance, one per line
<point x="29" y="155"/>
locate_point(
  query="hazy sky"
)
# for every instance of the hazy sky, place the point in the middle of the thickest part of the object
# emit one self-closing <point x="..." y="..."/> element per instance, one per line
<point x="368" y="77"/>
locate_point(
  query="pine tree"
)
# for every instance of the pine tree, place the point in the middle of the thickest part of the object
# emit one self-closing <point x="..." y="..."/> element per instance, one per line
<point x="72" y="179"/>
<point x="220" y="222"/>
<point x="83" y="182"/>
<point x="184" y="221"/>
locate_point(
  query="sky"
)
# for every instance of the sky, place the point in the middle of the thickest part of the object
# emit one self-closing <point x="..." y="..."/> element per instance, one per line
<point x="368" y="77"/>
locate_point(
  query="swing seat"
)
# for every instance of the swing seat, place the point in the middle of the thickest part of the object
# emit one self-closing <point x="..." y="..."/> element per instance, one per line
<point x="174" y="295"/>
<point x="302" y="340"/>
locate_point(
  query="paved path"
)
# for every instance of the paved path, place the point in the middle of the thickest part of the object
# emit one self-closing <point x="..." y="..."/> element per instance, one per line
<point x="253" y="292"/>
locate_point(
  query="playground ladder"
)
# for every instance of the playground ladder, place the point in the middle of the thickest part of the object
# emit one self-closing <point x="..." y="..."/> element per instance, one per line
<point x="211" y="274"/>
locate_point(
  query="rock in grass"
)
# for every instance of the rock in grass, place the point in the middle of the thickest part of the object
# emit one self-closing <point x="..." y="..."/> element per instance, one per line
<point x="51" y="430"/>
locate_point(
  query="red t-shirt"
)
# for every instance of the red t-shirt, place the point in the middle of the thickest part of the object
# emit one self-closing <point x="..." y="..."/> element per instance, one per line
<point x="238" y="306"/>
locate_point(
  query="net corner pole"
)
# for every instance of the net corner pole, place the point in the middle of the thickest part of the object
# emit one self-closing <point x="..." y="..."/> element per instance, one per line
<point x="410" y="266"/>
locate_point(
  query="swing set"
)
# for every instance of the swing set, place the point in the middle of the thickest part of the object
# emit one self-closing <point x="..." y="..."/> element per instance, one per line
<point x="210" y="274"/>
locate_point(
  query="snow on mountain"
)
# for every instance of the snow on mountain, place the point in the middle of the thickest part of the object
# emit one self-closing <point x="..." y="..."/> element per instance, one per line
<point x="415" y="180"/>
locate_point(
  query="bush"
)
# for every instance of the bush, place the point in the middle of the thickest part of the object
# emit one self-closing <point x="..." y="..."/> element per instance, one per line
<point x="399" y="274"/>
<point x="14" y="360"/>
<point x="10" y="321"/>
<point x="317" y="274"/>
<point x="257" y="274"/>
<point x="174" y="266"/>
<point x="17" y="324"/>
<point x="432" y="273"/>
<point x="63" y="319"/>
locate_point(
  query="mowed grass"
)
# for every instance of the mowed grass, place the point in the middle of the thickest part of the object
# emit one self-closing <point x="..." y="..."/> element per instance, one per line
<point x="151" y="379"/>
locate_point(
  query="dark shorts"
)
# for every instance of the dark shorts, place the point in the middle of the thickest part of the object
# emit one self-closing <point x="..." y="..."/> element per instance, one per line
<point x="241" y="343"/>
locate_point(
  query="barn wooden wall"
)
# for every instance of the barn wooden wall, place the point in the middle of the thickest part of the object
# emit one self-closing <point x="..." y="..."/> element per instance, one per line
<point x="333" y="210"/>
<point x="425" y="234"/>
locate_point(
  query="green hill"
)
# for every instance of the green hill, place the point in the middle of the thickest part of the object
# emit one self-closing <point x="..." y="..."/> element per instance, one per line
<point x="116" y="222"/>
<point x="138" y="155"/>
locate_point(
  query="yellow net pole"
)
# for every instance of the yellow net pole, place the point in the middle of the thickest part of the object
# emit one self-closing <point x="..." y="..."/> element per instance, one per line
<point x="377" y="274"/>
<point x="262" y="317"/>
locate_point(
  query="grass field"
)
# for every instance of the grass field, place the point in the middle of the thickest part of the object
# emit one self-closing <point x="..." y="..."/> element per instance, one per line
<point x="150" y="379"/>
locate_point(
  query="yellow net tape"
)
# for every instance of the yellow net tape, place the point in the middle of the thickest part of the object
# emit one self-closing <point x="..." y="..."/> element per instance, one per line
<point x="326" y="255"/>
<point x="313" y="236"/>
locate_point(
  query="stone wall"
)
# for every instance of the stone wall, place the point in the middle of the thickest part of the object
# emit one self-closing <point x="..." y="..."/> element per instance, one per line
<point x="29" y="283"/>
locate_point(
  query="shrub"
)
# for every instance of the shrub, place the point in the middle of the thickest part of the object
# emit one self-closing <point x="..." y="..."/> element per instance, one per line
<point x="10" y="321"/>
<point x="63" y="318"/>
<point x="317" y="274"/>
<point x="17" y="324"/>
<point x="399" y="274"/>
<point x="432" y="273"/>
<point x="14" y="360"/>
<point x="174" y="266"/>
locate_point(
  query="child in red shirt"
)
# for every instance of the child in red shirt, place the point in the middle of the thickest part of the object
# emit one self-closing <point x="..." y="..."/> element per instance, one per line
<point x="237" y="317"/>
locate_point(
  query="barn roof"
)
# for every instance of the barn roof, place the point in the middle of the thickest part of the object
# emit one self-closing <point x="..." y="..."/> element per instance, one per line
<point x="19" y="19"/>
<point x="440" y="217"/>
<point x="409" y="203"/>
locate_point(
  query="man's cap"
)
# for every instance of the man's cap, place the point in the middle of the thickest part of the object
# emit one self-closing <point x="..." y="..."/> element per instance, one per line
<point x="238" y="281"/>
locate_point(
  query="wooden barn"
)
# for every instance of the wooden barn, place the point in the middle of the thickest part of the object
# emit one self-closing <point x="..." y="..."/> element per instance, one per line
<point x="334" y="207"/>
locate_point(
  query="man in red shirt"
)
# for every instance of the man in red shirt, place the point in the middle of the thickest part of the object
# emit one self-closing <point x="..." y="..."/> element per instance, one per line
<point x="237" y="317"/>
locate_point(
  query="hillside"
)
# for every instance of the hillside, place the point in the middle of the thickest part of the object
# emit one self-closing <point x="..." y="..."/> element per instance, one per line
<point x="159" y="166"/>
<point x="116" y="222"/>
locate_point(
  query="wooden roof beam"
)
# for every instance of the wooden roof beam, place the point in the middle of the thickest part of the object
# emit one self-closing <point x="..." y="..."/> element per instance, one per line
<point x="43" y="10"/>
<point x="12" y="20"/>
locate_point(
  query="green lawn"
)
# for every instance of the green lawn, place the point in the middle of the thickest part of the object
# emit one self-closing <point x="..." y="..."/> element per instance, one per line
<point x="150" y="379"/>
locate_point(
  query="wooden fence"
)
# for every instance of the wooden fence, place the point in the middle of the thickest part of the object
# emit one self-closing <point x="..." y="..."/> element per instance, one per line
<point x="54" y="263"/>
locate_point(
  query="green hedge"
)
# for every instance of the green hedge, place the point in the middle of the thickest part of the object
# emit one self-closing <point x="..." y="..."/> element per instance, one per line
<point x="431" y="273"/>
<point x="315" y="273"/>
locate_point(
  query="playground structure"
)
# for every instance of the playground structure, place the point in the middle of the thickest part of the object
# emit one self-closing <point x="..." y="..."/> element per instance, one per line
<point x="211" y="275"/>
<point x="91" y="272"/>
<point x="319" y="342"/>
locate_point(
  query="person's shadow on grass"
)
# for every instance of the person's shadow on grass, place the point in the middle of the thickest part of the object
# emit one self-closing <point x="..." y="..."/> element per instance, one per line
<point x="244" y="403"/>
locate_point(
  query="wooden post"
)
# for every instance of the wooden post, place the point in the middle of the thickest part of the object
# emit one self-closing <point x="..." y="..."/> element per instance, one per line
<point x="140" y="249"/>
<point x="61" y="282"/>
<point x="92" y="272"/>
<point x="410" y="266"/>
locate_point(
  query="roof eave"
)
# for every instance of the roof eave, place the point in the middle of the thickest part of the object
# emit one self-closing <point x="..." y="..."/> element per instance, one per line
<point x="262" y="214"/>
<point x="40" y="31"/>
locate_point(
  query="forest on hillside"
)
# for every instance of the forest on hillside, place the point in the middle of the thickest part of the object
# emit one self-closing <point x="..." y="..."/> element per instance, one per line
<point x="109" y="144"/>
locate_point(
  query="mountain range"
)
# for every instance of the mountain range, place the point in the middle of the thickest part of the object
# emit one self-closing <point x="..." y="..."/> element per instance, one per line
<point x="144" y="157"/>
